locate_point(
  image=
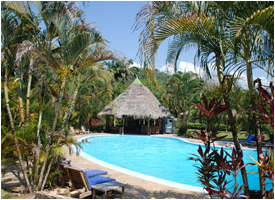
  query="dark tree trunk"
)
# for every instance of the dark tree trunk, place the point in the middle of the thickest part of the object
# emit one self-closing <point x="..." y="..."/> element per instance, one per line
<point x="251" y="88"/>
<point x="232" y="123"/>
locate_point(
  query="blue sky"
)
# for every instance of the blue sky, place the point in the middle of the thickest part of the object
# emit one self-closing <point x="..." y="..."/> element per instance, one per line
<point x="115" y="20"/>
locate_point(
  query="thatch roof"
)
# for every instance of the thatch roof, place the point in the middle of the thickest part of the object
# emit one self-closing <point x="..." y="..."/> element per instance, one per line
<point x="136" y="101"/>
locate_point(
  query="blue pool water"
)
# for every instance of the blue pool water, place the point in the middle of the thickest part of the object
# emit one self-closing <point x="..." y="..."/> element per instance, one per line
<point x="164" y="158"/>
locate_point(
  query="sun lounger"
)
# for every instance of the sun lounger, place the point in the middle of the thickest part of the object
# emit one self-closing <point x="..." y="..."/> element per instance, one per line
<point x="61" y="168"/>
<point x="86" y="179"/>
<point x="66" y="178"/>
<point x="269" y="145"/>
<point x="250" y="139"/>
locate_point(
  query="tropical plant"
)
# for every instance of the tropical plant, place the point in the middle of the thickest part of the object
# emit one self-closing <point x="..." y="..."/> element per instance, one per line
<point x="210" y="109"/>
<point x="121" y="71"/>
<point x="265" y="164"/>
<point x="58" y="60"/>
<point x="252" y="29"/>
<point x="94" y="94"/>
<point x="181" y="89"/>
<point x="215" y="166"/>
<point x="212" y="28"/>
<point x="266" y="108"/>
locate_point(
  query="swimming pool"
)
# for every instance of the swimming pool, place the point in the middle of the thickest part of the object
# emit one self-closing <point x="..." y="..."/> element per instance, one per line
<point x="160" y="159"/>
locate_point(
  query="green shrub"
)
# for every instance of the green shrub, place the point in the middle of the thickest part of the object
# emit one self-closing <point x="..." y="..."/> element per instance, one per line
<point x="199" y="126"/>
<point x="181" y="128"/>
<point x="223" y="127"/>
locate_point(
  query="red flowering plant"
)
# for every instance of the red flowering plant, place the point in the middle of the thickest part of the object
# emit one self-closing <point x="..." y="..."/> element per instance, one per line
<point x="266" y="113"/>
<point x="266" y="108"/>
<point x="215" y="165"/>
<point x="210" y="109"/>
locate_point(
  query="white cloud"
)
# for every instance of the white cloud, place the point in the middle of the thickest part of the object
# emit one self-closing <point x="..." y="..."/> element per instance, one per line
<point x="190" y="67"/>
<point x="184" y="67"/>
<point x="243" y="80"/>
<point x="135" y="65"/>
<point x="166" y="69"/>
<point x="264" y="80"/>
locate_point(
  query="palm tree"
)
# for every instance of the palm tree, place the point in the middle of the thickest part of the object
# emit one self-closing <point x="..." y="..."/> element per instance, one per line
<point x="9" y="45"/>
<point x="221" y="29"/>
<point x="252" y="30"/>
<point x="59" y="54"/>
<point x="121" y="70"/>
<point x="163" y="20"/>
<point x="181" y="89"/>
<point x="93" y="94"/>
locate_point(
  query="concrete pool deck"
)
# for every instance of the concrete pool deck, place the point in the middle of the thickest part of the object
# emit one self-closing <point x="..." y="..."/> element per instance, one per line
<point x="136" y="188"/>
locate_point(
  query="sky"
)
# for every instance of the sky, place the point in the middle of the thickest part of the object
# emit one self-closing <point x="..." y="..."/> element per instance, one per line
<point x="115" y="20"/>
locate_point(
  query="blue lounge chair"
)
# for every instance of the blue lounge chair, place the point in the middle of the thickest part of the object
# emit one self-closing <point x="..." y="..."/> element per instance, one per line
<point x="86" y="179"/>
<point x="89" y="173"/>
<point x="250" y="139"/>
<point x="269" y="144"/>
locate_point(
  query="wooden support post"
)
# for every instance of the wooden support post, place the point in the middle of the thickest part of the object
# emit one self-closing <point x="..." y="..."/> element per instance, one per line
<point x="106" y="123"/>
<point x="114" y="120"/>
<point x="148" y="129"/>
<point x="123" y="127"/>
<point x="163" y="125"/>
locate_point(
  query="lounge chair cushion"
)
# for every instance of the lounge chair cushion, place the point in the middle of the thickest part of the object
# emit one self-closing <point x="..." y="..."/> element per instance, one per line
<point x="98" y="180"/>
<point x="94" y="172"/>
<point x="251" y="138"/>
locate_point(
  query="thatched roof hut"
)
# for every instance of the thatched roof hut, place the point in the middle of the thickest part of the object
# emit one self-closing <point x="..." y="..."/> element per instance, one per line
<point x="138" y="102"/>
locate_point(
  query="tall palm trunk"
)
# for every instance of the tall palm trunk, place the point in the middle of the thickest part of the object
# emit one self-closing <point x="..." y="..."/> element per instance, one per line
<point x="39" y="185"/>
<point x="48" y="172"/>
<point x="37" y="147"/>
<point x="256" y="123"/>
<point x="29" y="91"/>
<point x="232" y="123"/>
<point x="70" y="109"/>
<point x="231" y="120"/>
<point x="36" y="163"/>
<point x="20" y="99"/>
<point x="23" y="169"/>
<point x="59" y="103"/>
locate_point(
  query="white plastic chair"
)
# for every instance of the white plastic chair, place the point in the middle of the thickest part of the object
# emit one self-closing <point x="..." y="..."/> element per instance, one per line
<point x="84" y="130"/>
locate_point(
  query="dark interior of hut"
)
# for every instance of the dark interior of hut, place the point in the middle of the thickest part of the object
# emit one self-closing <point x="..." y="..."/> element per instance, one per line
<point x="134" y="126"/>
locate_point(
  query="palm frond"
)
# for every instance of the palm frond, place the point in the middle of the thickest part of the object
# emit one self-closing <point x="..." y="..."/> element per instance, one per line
<point x="261" y="18"/>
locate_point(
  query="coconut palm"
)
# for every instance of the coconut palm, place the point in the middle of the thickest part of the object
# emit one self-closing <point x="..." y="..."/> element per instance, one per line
<point x="59" y="53"/>
<point x="10" y="24"/>
<point x="121" y="71"/>
<point x="181" y="90"/>
<point x="207" y="32"/>
<point x="252" y="30"/>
